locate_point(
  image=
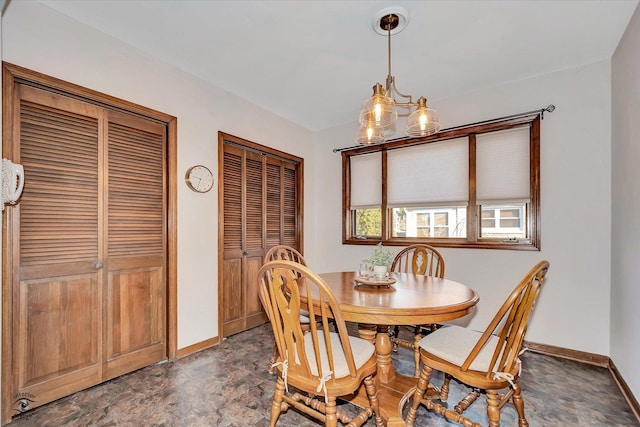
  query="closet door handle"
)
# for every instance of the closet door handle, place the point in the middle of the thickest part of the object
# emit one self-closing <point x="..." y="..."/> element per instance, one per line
<point x="245" y="253"/>
<point x="98" y="265"/>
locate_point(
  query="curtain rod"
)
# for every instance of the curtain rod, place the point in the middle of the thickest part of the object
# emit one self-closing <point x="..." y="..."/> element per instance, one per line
<point x="540" y="111"/>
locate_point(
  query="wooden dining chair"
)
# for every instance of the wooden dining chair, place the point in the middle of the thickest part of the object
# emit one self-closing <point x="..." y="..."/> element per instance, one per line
<point x="417" y="259"/>
<point x="286" y="253"/>
<point x="486" y="360"/>
<point x="321" y="364"/>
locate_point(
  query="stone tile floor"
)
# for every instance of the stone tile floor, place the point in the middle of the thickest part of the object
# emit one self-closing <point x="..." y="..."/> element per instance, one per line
<point x="229" y="385"/>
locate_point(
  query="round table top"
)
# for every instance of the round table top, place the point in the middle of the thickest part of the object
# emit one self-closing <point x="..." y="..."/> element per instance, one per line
<point x="412" y="299"/>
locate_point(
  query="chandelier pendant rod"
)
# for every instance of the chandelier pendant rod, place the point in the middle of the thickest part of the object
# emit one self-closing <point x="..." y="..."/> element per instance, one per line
<point x="389" y="77"/>
<point x="390" y="23"/>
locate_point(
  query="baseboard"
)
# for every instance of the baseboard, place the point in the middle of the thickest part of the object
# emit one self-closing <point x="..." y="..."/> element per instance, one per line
<point x="626" y="391"/>
<point x="592" y="359"/>
<point x="565" y="353"/>
<point x="199" y="346"/>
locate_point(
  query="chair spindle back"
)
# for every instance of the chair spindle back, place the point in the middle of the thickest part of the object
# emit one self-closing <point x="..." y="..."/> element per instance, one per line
<point x="284" y="288"/>
<point x="510" y="323"/>
<point x="419" y="259"/>
<point x="284" y="253"/>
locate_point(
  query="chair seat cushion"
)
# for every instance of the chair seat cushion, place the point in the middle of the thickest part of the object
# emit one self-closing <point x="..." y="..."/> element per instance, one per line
<point x="362" y="350"/>
<point x="454" y="343"/>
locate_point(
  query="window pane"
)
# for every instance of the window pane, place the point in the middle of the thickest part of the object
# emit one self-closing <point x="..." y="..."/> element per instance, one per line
<point x="367" y="222"/>
<point x="510" y="218"/>
<point x="422" y="219"/>
<point x="441" y="221"/>
<point x="441" y="224"/>
<point x="488" y="218"/>
<point x="504" y="221"/>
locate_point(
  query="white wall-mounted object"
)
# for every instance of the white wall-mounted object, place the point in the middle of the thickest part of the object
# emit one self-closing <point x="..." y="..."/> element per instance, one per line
<point x="12" y="182"/>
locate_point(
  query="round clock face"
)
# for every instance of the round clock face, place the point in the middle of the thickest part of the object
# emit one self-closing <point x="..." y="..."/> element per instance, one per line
<point x="199" y="178"/>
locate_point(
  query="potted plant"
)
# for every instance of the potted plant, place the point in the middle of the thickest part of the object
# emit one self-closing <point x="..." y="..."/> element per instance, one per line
<point x="380" y="259"/>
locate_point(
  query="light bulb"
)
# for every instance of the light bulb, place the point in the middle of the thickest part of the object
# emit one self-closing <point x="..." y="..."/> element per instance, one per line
<point x="378" y="111"/>
<point x="423" y="121"/>
<point x="369" y="134"/>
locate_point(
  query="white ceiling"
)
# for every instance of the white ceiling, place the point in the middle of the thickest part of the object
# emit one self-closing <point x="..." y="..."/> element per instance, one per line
<point x="314" y="62"/>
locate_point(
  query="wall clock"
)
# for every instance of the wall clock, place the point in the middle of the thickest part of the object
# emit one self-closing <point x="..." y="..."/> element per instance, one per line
<point x="199" y="178"/>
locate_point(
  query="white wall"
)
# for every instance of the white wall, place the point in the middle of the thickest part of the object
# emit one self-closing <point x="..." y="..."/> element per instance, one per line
<point x="43" y="40"/>
<point x="625" y="238"/>
<point x="573" y="310"/>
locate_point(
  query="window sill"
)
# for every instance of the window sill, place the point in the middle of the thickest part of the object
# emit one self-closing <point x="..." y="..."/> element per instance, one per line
<point x="448" y="243"/>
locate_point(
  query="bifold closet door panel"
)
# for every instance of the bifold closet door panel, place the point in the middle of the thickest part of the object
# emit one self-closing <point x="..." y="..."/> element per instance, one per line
<point x="135" y="244"/>
<point x="57" y="285"/>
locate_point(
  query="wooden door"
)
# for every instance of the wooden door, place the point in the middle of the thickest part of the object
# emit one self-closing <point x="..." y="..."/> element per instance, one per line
<point x="243" y="239"/>
<point x="88" y="251"/>
<point x="135" y="244"/>
<point x="57" y="253"/>
<point x="261" y="207"/>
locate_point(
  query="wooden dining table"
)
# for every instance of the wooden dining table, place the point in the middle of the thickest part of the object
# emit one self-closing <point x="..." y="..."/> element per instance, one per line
<point x="411" y="300"/>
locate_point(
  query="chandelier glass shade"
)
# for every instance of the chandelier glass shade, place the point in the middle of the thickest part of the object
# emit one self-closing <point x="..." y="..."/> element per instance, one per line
<point x="369" y="135"/>
<point x="379" y="112"/>
<point x="423" y="121"/>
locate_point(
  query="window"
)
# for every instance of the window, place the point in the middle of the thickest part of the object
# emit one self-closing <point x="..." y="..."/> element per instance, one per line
<point x="429" y="222"/>
<point x="473" y="186"/>
<point x="506" y="222"/>
<point x="366" y="198"/>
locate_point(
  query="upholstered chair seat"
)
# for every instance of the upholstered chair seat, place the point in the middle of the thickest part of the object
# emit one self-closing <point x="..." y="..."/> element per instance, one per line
<point x="454" y="343"/>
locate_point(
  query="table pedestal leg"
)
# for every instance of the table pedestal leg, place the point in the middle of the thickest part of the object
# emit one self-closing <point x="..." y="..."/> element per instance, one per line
<point x="386" y="372"/>
<point x="389" y="390"/>
<point x="367" y="332"/>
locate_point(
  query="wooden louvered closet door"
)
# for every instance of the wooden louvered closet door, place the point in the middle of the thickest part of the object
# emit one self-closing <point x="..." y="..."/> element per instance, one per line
<point x="281" y="203"/>
<point x="88" y="282"/>
<point x="260" y="209"/>
<point x="134" y="244"/>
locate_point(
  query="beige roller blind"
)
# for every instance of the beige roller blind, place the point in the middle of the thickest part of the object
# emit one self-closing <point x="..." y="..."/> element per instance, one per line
<point x="429" y="174"/>
<point x="502" y="166"/>
<point x="366" y="181"/>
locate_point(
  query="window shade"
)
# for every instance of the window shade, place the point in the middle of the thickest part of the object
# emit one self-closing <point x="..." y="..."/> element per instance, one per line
<point x="502" y="166"/>
<point x="429" y="174"/>
<point x="366" y="181"/>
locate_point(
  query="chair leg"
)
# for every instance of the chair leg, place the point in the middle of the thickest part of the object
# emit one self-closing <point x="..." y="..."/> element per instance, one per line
<point x="466" y="401"/>
<point x="493" y="408"/>
<point x="277" y="402"/>
<point x="444" y="390"/>
<point x="372" y="393"/>
<point x="331" y="417"/>
<point x="416" y="351"/>
<point x="518" y="402"/>
<point x="396" y="332"/>
<point x="274" y="357"/>
<point x="423" y="383"/>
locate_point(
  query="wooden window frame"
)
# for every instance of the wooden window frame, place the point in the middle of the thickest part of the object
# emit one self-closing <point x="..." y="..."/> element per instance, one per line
<point x="473" y="220"/>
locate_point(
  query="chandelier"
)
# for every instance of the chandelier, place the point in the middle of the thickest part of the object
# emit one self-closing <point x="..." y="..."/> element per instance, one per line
<point x="379" y="112"/>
